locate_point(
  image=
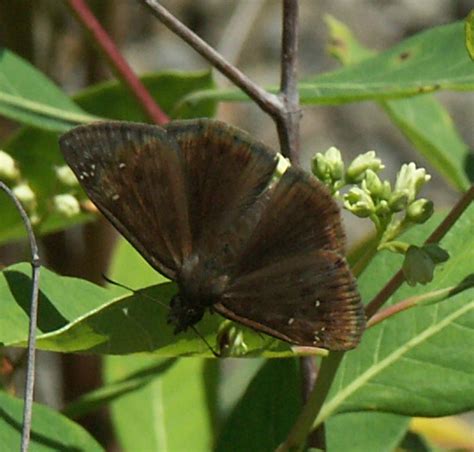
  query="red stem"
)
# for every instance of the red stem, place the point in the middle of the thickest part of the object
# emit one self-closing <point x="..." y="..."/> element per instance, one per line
<point x="117" y="61"/>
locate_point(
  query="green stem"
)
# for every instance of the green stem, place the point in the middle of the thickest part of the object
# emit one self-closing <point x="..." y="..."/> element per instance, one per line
<point x="364" y="260"/>
<point x="298" y="434"/>
<point x="396" y="246"/>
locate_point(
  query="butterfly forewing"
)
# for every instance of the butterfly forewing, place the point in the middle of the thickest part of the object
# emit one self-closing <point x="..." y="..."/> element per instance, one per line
<point x="133" y="175"/>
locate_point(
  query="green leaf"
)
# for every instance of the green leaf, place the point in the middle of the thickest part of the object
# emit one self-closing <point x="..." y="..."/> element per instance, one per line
<point x="37" y="151"/>
<point x="129" y="268"/>
<point x="423" y="120"/>
<point x="171" y="409"/>
<point x="29" y="97"/>
<point x="115" y="389"/>
<point x="433" y="60"/>
<point x="112" y="100"/>
<point x="233" y="383"/>
<point x="363" y="431"/>
<point x="429" y="127"/>
<point x="62" y="301"/>
<point x="415" y="363"/>
<point x="50" y="430"/>
<point x="469" y="30"/>
<point x="76" y="315"/>
<point x="263" y="416"/>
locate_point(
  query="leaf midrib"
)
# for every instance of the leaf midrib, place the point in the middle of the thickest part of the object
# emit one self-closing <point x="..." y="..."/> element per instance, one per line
<point x="371" y="372"/>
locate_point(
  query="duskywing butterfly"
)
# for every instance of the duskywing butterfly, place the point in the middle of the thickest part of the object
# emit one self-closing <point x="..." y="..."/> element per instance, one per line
<point x="200" y="201"/>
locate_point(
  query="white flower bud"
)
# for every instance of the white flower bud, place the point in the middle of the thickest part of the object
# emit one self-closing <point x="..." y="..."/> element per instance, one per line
<point x="25" y="194"/>
<point x="66" y="176"/>
<point x="410" y="179"/>
<point x="359" y="202"/>
<point x="8" y="167"/>
<point x="361" y="164"/>
<point x="67" y="205"/>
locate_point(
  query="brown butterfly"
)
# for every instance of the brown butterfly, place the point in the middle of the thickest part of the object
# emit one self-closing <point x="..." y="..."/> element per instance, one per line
<point x="200" y="201"/>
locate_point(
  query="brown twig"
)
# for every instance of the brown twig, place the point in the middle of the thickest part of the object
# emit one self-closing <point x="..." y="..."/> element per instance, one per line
<point x="288" y="125"/>
<point x="30" y="370"/>
<point x="117" y="62"/>
<point x="270" y="103"/>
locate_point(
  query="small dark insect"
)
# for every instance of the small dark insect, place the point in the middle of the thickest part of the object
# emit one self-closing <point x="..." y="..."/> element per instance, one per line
<point x="198" y="199"/>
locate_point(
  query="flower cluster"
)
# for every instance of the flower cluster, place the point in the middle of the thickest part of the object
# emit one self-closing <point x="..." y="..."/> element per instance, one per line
<point x="65" y="204"/>
<point x="366" y="195"/>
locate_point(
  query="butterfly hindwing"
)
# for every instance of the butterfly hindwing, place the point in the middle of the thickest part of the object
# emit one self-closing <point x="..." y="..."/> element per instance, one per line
<point x="309" y="300"/>
<point x="291" y="280"/>
<point x="299" y="216"/>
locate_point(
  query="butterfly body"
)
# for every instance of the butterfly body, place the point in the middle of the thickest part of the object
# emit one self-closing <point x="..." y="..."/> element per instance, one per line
<point x="200" y="284"/>
<point x="200" y="201"/>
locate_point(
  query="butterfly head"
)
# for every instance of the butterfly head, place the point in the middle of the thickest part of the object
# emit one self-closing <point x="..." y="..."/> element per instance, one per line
<point x="184" y="314"/>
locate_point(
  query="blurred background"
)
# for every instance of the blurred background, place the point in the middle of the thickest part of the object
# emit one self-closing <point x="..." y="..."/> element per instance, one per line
<point x="247" y="32"/>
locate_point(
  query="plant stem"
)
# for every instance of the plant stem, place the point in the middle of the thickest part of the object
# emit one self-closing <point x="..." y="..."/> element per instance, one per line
<point x="288" y="127"/>
<point x="30" y="370"/>
<point x="288" y="124"/>
<point x="117" y="62"/>
<point x="426" y="298"/>
<point x="364" y="260"/>
<point x="303" y="424"/>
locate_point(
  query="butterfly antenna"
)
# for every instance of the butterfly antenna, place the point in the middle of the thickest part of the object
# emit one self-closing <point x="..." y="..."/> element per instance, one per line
<point x="134" y="291"/>
<point x="115" y="283"/>
<point x="216" y="354"/>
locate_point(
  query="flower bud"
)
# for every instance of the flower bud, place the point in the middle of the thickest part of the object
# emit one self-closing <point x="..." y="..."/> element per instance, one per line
<point x="420" y="210"/>
<point x="66" y="176"/>
<point x="328" y="167"/>
<point x="8" y="167"/>
<point x="335" y="163"/>
<point x="230" y="339"/>
<point x="411" y="179"/>
<point x="383" y="209"/>
<point x="66" y="205"/>
<point x="26" y="195"/>
<point x="372" y="183"/>
<point x="398" y="200"/>
<point x="359" y="202"/>
<point x="320" y="167"/>
<point x="358" y="167"/>
<point x="386" y="190"/>
<point x="418" y="266"/>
